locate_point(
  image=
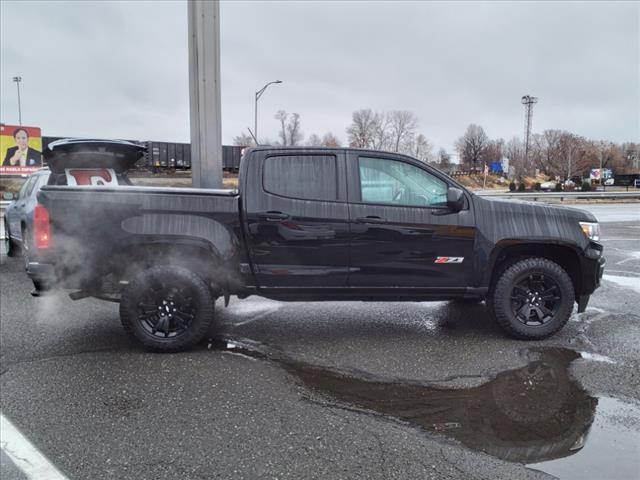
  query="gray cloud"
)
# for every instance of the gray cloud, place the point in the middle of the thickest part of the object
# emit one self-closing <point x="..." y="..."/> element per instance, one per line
<point x="120" y="69"/>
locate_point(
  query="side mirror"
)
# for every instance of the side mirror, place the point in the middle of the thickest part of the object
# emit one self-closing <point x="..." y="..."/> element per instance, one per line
<point x="455" y="199"/>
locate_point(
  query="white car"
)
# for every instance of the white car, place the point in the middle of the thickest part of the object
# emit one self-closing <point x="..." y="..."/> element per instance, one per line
<point x="609" y="181"/>
<point x="548" y="186"/>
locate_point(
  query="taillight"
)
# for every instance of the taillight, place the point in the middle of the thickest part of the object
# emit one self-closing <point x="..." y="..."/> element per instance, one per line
<point x="41" y="227"/>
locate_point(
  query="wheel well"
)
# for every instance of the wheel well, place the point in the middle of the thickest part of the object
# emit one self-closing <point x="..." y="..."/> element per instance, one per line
<point x="199" y="260"/>
<point x="564" y="256"/>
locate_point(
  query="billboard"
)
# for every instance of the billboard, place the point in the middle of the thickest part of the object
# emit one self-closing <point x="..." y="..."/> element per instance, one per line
<point x="20" y="149"/>
<point x="600" y="174"/>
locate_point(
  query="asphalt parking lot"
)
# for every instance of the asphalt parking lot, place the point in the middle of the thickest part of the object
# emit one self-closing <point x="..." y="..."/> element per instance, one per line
<point x="331" y="390"/>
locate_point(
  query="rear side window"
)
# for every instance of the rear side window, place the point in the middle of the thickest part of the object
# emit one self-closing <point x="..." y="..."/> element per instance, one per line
<point x="308" y="177"/>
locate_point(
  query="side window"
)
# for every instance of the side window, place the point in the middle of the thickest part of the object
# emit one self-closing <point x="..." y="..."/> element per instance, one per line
<point x="23" y="190"/>
<point x="42" y="181"/>
<point x="308" y="177"/>
<point x="399" y="183"/>
<point x="33" y="182"/>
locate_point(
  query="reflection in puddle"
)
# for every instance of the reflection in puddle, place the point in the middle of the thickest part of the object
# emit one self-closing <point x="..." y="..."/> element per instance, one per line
<point x="531" y="415"/>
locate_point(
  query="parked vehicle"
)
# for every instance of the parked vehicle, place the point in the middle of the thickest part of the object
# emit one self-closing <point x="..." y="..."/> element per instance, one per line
<point x="18" y="217"/>
<point x="74" y="162"/>
<point x="548" y="186"/>
<point x="314" y="224"/>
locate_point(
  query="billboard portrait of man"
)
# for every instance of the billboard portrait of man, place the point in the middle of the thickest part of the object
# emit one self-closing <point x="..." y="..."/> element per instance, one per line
<point x="22" y="154"/>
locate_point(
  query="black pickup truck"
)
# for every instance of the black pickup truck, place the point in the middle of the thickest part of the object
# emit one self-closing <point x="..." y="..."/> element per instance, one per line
<point x="313" y="224"/>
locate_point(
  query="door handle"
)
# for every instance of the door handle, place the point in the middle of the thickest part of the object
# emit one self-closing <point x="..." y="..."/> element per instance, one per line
<point x="273" y="216"/>
<point x="371" y="219"/>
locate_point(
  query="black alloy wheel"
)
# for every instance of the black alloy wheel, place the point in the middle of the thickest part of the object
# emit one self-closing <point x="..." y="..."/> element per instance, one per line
<point x="535" y="299"/>
<point x="532" y="298"/>
<point x="167" y="308"/>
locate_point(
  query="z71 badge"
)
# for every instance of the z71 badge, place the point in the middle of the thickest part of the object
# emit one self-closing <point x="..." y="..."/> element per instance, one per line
<point x="449" y="260"/>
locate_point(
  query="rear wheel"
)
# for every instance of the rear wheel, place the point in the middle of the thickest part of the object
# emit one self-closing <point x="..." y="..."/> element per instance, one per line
<point x="167" y="309"/>
<point x="533" y="299"/>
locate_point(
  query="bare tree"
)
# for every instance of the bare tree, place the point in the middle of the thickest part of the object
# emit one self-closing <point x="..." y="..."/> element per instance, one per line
<point x="546" y="151"/>
<point x="314" y="141"/>
<point x="243" y="140"/>
<point x="514" y="151"/>
<point x="444" y="160"/>
<point x="402" y="125"/>
<point x="471" y="145"/>
<point x="422" y="149"/>
<point x="281" y="116"/>
<point x="293" y="129"/>
<point x="290" y="134"/>
<point x="330" y="140"/>
<point x="362" y="128"/>
<point x="494" y="151"/>
<point x="381" y="132"/>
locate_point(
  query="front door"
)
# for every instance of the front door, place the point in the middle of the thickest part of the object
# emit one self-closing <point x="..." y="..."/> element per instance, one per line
<point x="297" y="219"/>
<point x="402" y="234"/>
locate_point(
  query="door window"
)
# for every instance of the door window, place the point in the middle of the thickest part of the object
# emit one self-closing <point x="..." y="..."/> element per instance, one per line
<point x="393" y="182"/>
<point x="309" y="177"/>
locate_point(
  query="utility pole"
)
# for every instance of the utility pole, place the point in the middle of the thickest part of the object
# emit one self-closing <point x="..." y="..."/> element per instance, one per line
<point x="255" y="110"/>
<point x="18" y="80"/>
<point x="204" y="93"/>
<point x="528" y="101"/>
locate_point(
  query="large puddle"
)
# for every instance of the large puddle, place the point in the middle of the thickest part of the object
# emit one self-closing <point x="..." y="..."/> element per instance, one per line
<point x="536" y="415"/>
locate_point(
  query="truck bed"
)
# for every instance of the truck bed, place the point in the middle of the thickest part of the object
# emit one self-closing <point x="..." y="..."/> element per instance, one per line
<point x="99" y="231"/>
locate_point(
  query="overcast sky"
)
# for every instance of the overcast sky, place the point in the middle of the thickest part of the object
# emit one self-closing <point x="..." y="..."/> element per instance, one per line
<point x="119" y="69"/>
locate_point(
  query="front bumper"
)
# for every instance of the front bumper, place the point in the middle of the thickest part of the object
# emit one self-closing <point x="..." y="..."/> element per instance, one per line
<point x="591" y="268"/>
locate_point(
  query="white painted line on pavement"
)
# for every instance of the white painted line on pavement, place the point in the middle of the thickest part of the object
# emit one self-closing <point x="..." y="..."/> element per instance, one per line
<point x="25" y="455"/>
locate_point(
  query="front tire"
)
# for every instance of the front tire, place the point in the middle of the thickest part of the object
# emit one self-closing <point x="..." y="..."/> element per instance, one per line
<point x="533" y="299"/>
<point x="167" y="309"/>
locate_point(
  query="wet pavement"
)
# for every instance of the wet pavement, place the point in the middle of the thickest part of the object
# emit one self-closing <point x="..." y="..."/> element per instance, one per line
<point x="330" y="390"/>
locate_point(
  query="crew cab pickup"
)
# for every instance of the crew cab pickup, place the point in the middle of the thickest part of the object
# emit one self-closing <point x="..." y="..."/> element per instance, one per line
<point x="314" y="224"/>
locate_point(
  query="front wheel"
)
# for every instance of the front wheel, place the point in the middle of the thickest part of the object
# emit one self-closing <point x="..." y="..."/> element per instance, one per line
<point x="533" y="299"/>
<point x="167" y="309"/>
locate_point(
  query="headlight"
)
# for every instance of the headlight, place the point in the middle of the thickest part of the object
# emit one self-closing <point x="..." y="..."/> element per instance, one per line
<point x="591" y="230"/>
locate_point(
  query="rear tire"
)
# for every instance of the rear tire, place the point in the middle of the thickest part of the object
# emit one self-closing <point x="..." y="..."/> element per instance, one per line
<point x="167" y="308"/>
<point x="532" y="299"/>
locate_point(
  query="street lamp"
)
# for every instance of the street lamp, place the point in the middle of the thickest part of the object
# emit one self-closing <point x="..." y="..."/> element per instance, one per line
<point x="18" y="80"/>
<point x="258" y="95"/>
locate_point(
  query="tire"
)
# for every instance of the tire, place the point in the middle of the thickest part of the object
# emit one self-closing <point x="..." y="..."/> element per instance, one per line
<point x="532" y="299"/>
<point x="167" y="309"/>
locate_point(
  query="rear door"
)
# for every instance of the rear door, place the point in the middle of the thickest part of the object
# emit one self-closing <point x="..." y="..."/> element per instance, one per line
<point x="297" y="221"/>
<point x="402" y="234"/>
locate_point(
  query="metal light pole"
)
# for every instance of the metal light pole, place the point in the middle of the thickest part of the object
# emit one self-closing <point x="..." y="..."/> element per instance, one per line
<point x="18" y="80"/>
<point x="204" y="93"/>
<point x="255" y="118"/>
